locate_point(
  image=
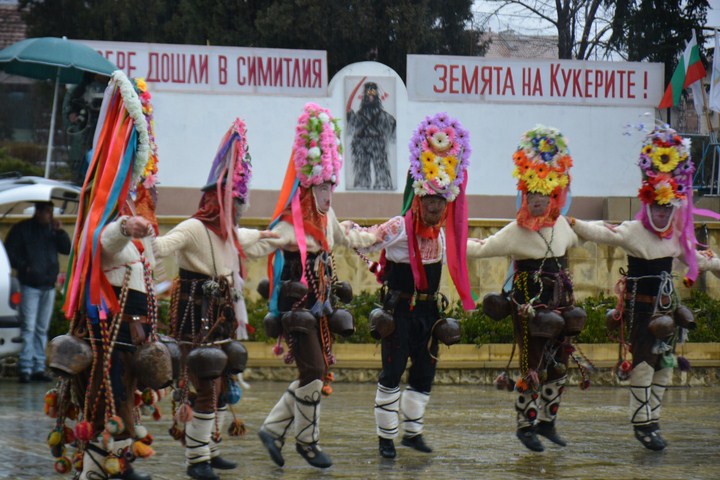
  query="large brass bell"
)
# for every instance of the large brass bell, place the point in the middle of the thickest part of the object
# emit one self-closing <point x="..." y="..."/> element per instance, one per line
<point x="344" y="292"/>
<point x="68" y="355"/>
<point x="273" y="325"/>
<point x="546" y="324"/>
<point x="575" y="318"/>
<point x="290" y="294"/>
<point x="684" y="318"/>
<point x="382" y="324"/>
<point x="152" y="365"/>
<point x="263" y="288"/>
<point x="206" y="363"/>
<point x="237" y="356"/>
<point x="175" y="355"/>
<point x="496" y="306"/>
<point x="612" y="320"/>
<point x="447" y="331"/>
<point x="341" y="323"/>
<point x="661" y="326"/>
<point x="299" y="320"/>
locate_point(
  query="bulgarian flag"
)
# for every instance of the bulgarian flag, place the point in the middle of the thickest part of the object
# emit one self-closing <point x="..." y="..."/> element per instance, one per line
<point x="688" y="71"/>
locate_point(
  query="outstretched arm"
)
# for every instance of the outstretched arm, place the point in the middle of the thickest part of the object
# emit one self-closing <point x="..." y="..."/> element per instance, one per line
<point x="599" y="231"/>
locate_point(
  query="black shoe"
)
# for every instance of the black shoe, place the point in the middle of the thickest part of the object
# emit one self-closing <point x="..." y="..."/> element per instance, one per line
<point x="528" y="438"/>
<point x="387" y="448"/>
<point x="547" y="430"/>
<point x="41" y="377"/>
<point x="222" y="464"/>
<point x="201" y="471"/>
<point x="273" y="446"/>
<point x="132" y="474"/>
<point x="417" y="442"/>
<point x="314" y="455"/>
<point x="24" y="378"/>
<point x="649" y="436"/>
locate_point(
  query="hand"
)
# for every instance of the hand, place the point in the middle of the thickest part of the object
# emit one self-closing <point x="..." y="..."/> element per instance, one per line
<point x="612" y="228"/>
<point x="707" y="253"/>
<point x="268" y="234"/>
<point x="476" y="240"/>
<point x="138" y="227"/>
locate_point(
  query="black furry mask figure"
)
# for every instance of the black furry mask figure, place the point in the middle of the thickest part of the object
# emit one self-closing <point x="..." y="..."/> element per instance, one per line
<point x="371" y="128"/>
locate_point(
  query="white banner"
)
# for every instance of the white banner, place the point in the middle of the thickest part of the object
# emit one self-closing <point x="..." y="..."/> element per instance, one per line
<point x="570" y="82"/>
<point x="202" y="69"/>
<point x="714" y="100"/>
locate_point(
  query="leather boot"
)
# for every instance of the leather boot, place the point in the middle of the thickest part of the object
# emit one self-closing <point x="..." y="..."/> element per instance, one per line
<point x="307" y="424"/>
<point x="386" y="447"/>
<point x="548" y="405"/>
<point x="197" y="445"/>
<point x="216" y="461"/>
<point x="278" y="422"/>
<point x="412" y="406"/>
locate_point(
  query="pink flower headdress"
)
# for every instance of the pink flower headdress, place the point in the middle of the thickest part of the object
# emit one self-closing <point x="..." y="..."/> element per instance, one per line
<point x="317" y="149"/>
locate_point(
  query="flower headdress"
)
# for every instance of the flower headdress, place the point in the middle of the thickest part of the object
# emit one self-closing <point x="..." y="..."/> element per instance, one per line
<point x="317" y="149"/>
<point x="439" y="156"/>
<point x="316" y="158"/>
<point x="542" y="161"/>
<point x="666" y="168"/>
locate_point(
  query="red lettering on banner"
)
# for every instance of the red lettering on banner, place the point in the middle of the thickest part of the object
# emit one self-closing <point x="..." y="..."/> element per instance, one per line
<point x="222" y="69"/>
<point x="442" y="89"/>
<point x="295" y="73"/>
<point x="470" y="85"/>
<point x="609" y="85"/>
<point x="630" y="83"/>
<point x="202" y="76"/>
<point x="130" y="67"/>
<point x="554" y="87"/>
<point x="264" y="70"/>
<point x="508" y="83"/>
<point x="287" y="61"/>
<point x="598" y="82"/>
<point x="152" y="67"/>
<point x="317" y="73"/>
<point x="241" y="61"/>
<point x="454" y="79"/>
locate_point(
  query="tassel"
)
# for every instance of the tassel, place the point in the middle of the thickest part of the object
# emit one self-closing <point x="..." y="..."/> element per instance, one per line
<point x="157" y="414"/>
<point x="72" y="412"/>
<point x="77" y="461"/>
<point x="58" y="450"/>
<point x="237" y="428"/>
<point x="55" y="438"/>
<point x="115" y="425"/>
<point x="142" y="450"/>
<point x="112" y="465"/>
<point x="147" y="439"/>
<point x="63" y="465"/>
<point x="184" y="414"/>
<point x="84" y="431"/>
<point x="68" y="435"/>
<point x="683" y="364"/>
<point x="502" y="382"/>
<point x="177" y="433"/>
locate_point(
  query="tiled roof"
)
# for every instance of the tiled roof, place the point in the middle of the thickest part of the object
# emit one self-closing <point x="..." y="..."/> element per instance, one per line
<point x="12" y="27"/>
<point x="516" y="45"/>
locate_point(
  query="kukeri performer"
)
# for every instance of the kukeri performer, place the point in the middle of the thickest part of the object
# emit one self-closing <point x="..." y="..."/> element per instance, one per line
<point x="110" y="298"/>
<point x="541" y="299"/>
<point x="431" y="229"/>
<point x="649" y="310"/>
<point x="206" y="315"/>
<point x="304" y="289"/>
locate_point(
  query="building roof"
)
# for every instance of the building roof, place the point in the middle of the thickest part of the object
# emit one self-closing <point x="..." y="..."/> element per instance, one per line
<point x="509" y="43"/>
<point x="12" y="26"/>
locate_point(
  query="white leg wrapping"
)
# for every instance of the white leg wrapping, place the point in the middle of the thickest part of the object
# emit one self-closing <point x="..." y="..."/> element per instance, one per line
<point x="93" y="462"/>
<point x="197" y="437"/>
<point x="661" y="379"/>
<point x="550" y="395"/>
<point x="526" y="410"/>
<point x="307" y="413"/>
<point x="222" y="416"/>
<point x="641" y="379"/>
<point x="281" y="416"/>
<point x="412" y="405"/>
<point x="387" y="406"/>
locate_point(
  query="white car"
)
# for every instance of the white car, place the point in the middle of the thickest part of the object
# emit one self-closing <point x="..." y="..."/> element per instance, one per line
<point x="17" y="193"/>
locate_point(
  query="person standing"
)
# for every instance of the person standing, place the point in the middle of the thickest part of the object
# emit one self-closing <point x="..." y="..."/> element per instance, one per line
<point x="205" y="316"/>
<point x="33" y="246"/>
<point x="307" y="231"/>
<point x="414" y="246"/>
<point x="541" y="298"/>
<point x="649" y="312"/>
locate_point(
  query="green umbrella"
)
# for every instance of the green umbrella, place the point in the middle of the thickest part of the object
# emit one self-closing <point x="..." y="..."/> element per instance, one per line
<point x="51" y="58"/>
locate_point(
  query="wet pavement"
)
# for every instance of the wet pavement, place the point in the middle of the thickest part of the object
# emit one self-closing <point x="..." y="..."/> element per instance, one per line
<point x="470" y="428"/>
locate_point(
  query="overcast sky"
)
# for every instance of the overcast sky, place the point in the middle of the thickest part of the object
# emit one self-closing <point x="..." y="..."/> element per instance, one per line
<point x="520" y="20"/>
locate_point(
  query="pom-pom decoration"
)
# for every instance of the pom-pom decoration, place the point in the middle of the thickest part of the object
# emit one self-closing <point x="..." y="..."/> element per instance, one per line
<point x="317" y="151"/>
<point x="84" y="431"/>
<point x="237" y="428"/>
<point x="63" y="465"/>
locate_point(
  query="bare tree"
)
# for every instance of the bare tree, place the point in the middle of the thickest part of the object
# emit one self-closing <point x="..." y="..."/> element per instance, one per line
<point x="583" y="26"/>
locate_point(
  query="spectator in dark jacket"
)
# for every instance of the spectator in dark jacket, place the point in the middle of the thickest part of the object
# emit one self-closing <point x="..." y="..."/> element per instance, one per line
<point x="33" y="246"/>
